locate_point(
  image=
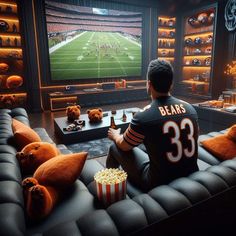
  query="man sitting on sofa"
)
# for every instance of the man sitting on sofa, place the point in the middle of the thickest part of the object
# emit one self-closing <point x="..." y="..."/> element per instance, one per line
<point x="168" y="128"/>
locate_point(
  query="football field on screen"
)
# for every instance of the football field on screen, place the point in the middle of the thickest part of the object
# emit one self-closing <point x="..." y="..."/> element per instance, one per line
<point x="96" y="55"/>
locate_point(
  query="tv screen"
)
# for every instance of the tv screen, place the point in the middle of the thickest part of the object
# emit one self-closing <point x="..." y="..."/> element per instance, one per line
<point x="92" y="43"/>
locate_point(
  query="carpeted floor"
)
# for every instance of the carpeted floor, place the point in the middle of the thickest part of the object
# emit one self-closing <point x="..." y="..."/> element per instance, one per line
<point x="95" y="148"/>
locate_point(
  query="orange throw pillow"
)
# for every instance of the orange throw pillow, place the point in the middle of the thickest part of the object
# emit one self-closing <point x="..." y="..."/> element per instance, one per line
<point x="222" y="146"/>
<point x="61" y="171"/>
<point x="50" y="182"/>
<point x="23" y="134"/>
<point x="34" y="154"/>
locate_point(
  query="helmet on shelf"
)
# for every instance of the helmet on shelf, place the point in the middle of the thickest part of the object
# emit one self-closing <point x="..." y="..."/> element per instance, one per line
<point x="172" y="34"/>
<point x="196" y="62"/>
<point x="170" y="22"/>
<point x="198" y="40"/>
<point x="207" y="61"/>
<point x="164" y="52"/>
<point x="192" y="20"/>
<point x="188" y="41"/>
<point x="202" y="18"/>
<point x="209" y="39"/>
<point x="208" y="50"/>
<point x="197" y="51"/>
<point x="211" y="18"/>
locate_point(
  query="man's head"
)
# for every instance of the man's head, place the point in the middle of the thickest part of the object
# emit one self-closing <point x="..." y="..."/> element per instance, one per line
<point x="160" y="75"/>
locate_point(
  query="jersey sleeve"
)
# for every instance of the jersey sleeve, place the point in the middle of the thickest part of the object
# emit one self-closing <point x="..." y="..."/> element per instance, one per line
<point x="134" y="134"/>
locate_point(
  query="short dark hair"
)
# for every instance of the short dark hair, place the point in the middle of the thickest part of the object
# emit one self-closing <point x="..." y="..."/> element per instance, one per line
<point x="160" y="73"/>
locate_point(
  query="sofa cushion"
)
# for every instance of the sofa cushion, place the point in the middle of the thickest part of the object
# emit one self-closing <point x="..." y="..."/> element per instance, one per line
<point x="153" y="210"/>
<point x="75" y="204"/>
<point x="23" y="134"/>
<point x="170" y="199"/>
<point x="11" y="191"/>
<point x="207" y="157"/>
<point x="128" y="216"/>
<point x="211" y="181"/>
<point x="12" y="220"/>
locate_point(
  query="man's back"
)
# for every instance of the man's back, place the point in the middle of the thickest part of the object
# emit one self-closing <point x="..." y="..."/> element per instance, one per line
<point x="170" y="131"/>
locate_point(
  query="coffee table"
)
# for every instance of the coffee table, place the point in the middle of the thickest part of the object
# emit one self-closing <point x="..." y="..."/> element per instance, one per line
<point x="91" y="130"/>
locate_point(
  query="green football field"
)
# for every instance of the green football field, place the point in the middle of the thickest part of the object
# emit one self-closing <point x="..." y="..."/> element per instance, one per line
<point x="96" y="55"/>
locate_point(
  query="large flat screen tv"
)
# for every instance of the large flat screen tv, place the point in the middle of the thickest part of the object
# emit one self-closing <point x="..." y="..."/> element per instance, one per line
<point x="88" y="43"/>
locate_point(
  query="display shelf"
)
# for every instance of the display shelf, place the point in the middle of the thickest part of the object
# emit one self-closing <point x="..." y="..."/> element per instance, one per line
<point x="12" y="82"/>
<point x="197" y="52"/>
<point x="201" y="33"/>
<point x="166" y="38"/>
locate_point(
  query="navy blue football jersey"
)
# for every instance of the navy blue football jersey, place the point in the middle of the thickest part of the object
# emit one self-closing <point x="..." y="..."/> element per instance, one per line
<point x="169" y="130"/>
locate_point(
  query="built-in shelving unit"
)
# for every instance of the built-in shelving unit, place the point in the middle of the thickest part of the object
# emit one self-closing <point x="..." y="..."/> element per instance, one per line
<point x="166" y="38"/>
<point x="12" y="82"/>
<point x="197" y="53"/>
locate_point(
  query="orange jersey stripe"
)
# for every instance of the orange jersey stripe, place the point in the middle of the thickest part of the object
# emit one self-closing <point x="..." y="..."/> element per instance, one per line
<point x="135" y="133"/>
<point x="130" y="141"/>
<point x="131" y="136"/>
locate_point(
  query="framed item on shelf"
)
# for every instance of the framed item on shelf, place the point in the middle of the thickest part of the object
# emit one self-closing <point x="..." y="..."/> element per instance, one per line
<point x="197" y="52"/>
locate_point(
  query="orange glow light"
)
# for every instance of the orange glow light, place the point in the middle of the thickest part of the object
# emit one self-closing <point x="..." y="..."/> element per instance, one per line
<point x="198" y="56"/>
<point x="10" y="49"/>
<point x="16" y="94"/>
<point x="186" y="67"/>
<point x="167" y="49"/>
<point x="169" y="39"/>
<point x="8" y="4"/>
<point x="64" y="99"/>
<point x="199" y="35"/>
<point x="166" y="58"/>
<point x="165" y="30"/>
<point x="11" y="20"/>
<point x="10" y="36"/>
<point x="166" y="18"/>
<point x="194" y="82"/>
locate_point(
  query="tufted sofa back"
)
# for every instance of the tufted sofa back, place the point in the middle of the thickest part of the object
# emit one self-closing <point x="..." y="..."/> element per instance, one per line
<point x="12" y="218"/>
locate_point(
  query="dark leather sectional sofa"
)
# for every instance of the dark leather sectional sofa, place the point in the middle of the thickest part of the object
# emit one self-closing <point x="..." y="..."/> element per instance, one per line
<point x="200" y="204"/>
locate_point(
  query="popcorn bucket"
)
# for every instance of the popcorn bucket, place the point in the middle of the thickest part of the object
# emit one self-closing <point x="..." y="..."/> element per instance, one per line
<point x="110" y="185"/>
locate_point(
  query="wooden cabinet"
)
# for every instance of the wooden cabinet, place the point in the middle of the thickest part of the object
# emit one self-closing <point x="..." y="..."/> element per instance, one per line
<point x="166" y="38"/>
<point x="197" y="52"/>
<point x="12" y="84"/>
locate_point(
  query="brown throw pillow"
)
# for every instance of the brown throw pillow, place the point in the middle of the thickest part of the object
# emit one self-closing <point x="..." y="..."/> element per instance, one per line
<point x="23" y="134"/>
<point x="222" y="146"/>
